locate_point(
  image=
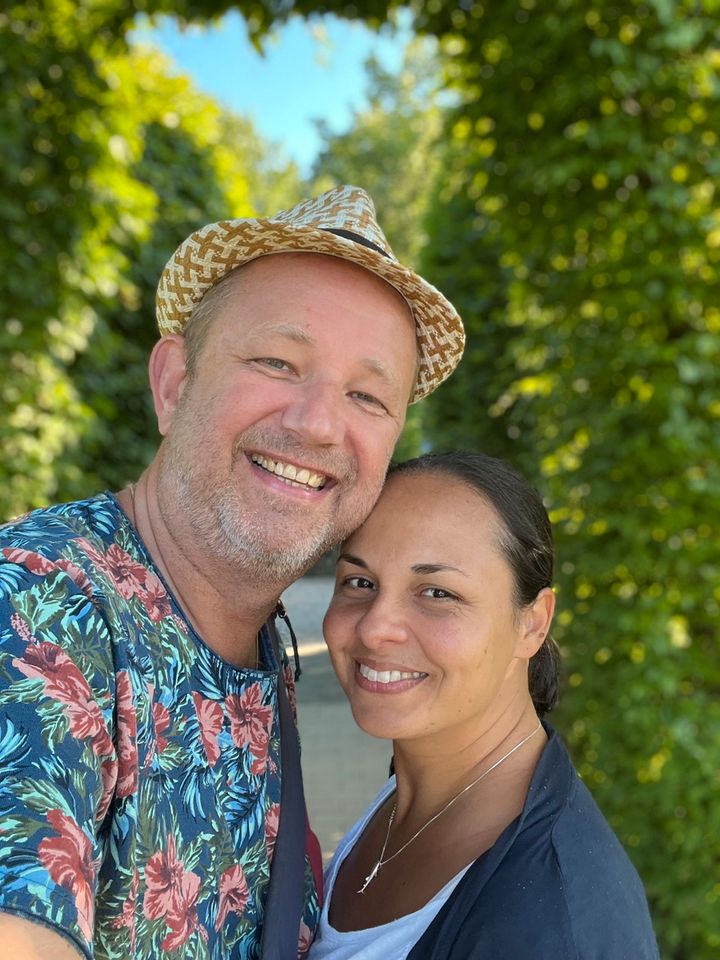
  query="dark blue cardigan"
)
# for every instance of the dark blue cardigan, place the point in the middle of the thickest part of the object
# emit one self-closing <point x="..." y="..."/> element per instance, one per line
<point x="556" y="885"/>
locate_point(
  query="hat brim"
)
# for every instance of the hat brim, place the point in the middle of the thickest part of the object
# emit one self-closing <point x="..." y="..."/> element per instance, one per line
<point x="215" y="250"/>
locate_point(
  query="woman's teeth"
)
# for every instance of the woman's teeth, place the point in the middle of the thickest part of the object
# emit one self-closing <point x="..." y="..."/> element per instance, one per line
<point x="286" y="471"/>
<point x="387" y="676"/>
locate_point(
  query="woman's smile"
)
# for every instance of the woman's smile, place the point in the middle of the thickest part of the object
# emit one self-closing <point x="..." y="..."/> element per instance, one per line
<point x="387" y="680"/>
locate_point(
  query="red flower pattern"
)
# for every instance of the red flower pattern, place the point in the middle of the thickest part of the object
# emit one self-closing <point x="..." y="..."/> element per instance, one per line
<point x="161" y="718"/>
<point x="127" y="917"/>
<point x="171" y="894"/>
<point x="76" y="575"/>
<point x="210" y="718"/>
<point x="272" y="822"/>
<point x="154" y="598"/>
<point x="234" y="894"/>
<point x="21" y="628"/>
<point x="305" y="940"/>
<point x="64" y="682"/>
<point x="184" y="920"/>
<point x="127" y="778"/>
<point x="250" y="724"/>
<point x="36" y="563"/>
<point x="130" y="578"/>
<point x="125" y="574"/>
<point x="68" y="859"/>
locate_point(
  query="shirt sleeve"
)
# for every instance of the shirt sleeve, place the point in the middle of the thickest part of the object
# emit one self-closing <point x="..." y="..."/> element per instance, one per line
<point x="58" y="763"/>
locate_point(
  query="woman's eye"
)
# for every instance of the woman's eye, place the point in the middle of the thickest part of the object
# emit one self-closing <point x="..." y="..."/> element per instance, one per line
<point x="358" y="583"/>
<point x="437" y="593"/>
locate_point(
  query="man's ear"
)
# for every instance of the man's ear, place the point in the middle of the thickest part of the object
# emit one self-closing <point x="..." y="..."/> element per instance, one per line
<point x="535" y="624"/>
<point x="168" y="371"/>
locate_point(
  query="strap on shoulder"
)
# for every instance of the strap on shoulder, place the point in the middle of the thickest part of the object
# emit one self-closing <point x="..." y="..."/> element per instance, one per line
<point x="285" y="900"/>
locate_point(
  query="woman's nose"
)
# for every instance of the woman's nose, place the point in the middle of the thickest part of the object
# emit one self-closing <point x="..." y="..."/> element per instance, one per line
<point x="383" y="622"/>
<point x="316" y="414"/>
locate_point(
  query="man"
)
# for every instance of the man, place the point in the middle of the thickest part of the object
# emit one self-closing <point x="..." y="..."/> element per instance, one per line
<point x="140" y="710"/>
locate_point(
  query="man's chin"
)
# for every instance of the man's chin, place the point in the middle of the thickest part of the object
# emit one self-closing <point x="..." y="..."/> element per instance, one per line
<point x="281" y="561"/>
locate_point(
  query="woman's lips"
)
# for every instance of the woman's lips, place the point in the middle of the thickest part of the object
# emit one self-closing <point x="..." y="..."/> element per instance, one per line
<point x="387" y="681"/>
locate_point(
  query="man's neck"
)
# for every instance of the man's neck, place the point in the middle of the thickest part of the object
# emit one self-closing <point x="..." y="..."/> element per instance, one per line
<point x="226" y="607"/>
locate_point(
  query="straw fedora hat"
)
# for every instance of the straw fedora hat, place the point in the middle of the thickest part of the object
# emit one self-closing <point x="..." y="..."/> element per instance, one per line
<point x="340" y="223"/>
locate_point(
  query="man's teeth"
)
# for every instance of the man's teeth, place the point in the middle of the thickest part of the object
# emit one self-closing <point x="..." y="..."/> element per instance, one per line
<point x="290" y="473"/>
<point x="387" y="676"/>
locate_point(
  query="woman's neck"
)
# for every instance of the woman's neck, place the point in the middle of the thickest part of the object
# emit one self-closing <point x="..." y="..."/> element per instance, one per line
<point x="429" y="774"/>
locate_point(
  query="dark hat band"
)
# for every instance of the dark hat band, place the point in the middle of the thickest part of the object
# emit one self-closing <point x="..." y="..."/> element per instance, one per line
<point x="357" y="238"/>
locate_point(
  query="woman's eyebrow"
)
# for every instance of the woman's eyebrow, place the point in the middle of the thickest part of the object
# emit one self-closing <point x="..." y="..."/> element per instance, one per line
<point x="426" y="568"/>
<point x="355" y="561"/>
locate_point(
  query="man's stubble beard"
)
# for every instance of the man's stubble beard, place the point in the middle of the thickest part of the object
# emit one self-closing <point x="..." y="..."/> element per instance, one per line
<point x="227" y="530"/>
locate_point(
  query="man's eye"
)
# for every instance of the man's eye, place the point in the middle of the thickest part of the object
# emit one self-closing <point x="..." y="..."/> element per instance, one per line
<point x="274" y="362"/>
<point x="368" y="399"/>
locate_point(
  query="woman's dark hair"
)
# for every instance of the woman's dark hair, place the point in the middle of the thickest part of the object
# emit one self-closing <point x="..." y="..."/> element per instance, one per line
<point x="525" y="541"/>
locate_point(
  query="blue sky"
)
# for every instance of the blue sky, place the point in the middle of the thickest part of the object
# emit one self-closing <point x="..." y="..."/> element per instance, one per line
<point x="308" y="71"/>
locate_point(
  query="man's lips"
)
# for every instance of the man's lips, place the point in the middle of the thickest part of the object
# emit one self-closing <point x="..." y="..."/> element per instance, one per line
<point x="294" y="476"/>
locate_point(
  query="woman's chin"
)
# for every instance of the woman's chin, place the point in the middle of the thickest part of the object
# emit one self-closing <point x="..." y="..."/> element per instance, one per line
<point x="374" y="724"/>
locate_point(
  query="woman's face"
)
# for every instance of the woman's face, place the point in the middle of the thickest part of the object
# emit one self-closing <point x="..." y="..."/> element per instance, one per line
<point x="421" y="629"/>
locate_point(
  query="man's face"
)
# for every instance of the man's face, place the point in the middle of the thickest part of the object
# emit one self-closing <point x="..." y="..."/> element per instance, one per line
<point x="278" y="445"/>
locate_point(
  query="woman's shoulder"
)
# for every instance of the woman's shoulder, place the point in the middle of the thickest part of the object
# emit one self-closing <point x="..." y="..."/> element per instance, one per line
<point x="556" y="884"/>
<point x="602" y="890"/>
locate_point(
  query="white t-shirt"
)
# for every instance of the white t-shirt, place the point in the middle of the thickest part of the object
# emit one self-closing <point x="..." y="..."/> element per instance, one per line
<point x="389" y="941"/>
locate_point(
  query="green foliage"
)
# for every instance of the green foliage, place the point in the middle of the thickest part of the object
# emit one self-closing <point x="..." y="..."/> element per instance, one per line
<point x="575" y="227"/>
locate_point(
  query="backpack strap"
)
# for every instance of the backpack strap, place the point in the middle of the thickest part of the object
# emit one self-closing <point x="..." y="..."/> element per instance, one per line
<point x="286" y="894"/>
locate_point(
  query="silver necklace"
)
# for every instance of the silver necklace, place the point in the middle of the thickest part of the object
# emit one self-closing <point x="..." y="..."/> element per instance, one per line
<point x="381" y="863"/>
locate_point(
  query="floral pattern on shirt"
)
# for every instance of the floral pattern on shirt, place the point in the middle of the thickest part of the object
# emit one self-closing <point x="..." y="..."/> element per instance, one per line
<point x="139" y="772"/>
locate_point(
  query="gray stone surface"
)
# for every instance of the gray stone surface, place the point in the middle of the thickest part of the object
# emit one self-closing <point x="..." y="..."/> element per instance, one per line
<point x="343" y="768"/>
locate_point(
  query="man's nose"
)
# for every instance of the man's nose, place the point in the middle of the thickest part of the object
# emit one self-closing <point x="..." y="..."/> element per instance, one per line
<point x="316" y="414"/>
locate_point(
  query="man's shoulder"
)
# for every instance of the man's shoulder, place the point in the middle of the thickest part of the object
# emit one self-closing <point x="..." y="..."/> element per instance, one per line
<point x="57" y="579"/>
<point x="48" y="529"/>
<point x="67" y="540"/>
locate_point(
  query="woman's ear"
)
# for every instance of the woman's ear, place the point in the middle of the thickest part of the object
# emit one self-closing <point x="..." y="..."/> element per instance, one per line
<point x="167" y="370"/>
<point x="535" y="624"/>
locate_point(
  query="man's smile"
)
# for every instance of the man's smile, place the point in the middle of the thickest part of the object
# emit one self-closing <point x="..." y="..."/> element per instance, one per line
<point x="292" y="475"/>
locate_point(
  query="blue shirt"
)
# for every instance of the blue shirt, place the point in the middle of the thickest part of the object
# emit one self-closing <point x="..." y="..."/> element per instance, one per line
<point x="139" y="772"/>
<point x="556" y="885"/>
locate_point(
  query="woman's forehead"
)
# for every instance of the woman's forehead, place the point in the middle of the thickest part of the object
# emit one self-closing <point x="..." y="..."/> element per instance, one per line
<point x="429" y="507"/>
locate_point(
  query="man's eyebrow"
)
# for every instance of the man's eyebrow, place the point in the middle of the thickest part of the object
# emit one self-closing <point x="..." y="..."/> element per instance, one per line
<point x="288" y="331"/>
<point x="355" y="561"/>
<point x="381" y="370"/>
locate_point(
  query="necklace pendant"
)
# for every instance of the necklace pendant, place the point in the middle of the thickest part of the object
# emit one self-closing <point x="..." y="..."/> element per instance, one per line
<point x="370" y="877"/>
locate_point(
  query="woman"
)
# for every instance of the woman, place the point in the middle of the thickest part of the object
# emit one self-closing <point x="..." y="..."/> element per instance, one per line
<point x="485" y="845"/>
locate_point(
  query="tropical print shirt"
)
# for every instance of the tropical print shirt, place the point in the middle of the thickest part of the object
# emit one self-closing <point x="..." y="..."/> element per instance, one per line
<point x="139" y="772"/>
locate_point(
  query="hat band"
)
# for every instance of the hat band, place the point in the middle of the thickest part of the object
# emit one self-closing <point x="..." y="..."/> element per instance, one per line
<point x="357" y="238"/>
